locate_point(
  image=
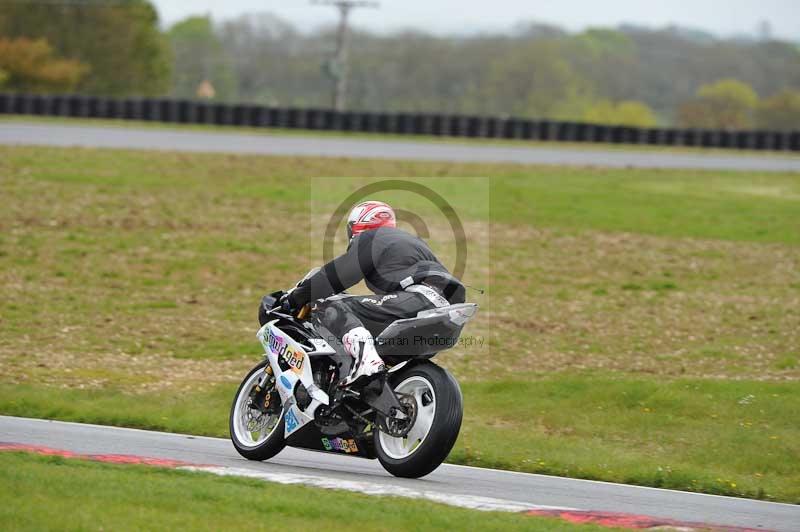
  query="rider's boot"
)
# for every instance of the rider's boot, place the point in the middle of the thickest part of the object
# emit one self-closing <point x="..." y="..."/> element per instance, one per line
<point x="367" y="363"/>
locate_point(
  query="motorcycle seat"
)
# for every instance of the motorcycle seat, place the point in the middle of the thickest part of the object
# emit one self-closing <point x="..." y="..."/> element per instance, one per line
<point x="430" y="332"/>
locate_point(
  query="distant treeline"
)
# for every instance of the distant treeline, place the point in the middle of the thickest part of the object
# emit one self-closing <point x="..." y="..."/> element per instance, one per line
<point x="629" y="75"/>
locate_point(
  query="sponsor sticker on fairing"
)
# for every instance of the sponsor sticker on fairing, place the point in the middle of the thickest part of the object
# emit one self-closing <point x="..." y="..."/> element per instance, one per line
<point x="281" y="348"/>
<point x="291" y="421"/>
<point x="340" y="444"/>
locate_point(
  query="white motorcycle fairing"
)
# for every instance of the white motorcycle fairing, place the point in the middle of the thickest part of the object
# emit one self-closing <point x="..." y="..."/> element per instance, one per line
<point x="280" y="346"/>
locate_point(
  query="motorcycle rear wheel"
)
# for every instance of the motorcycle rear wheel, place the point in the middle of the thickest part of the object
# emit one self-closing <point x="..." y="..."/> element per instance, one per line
<point x="439" y="411"/>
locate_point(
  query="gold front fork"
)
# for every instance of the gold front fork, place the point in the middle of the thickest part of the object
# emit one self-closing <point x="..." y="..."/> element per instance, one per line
<point x="303" y="312"/>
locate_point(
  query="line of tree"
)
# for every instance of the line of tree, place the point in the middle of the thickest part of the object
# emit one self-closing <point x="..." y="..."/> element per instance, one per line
<point x="114" y="48"/>
<point x="628" y="75"/>
<point x="732" y="104"/>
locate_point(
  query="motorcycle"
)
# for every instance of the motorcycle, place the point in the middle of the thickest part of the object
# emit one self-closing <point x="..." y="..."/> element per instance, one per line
<point x="408" y="418"/>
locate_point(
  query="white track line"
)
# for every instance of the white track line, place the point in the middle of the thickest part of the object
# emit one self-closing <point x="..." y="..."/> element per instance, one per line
<point x="369" y="488"/>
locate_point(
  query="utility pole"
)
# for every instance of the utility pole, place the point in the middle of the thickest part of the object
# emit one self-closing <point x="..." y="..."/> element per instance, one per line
<point x="339" y="68"/>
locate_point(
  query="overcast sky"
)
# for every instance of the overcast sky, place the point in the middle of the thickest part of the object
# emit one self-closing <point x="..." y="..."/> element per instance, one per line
<point x="723" y="17"/>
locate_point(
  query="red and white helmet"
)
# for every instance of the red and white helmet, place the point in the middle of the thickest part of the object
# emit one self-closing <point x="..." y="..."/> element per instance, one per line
<point x="369" y="215"/>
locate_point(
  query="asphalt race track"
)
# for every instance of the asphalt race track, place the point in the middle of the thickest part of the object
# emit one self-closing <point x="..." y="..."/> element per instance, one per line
<point x="459" y="485"/>
<point x="13" y="132"/>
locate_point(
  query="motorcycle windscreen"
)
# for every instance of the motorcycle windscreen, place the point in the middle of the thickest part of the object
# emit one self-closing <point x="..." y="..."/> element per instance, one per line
<point x="430" y="332"/>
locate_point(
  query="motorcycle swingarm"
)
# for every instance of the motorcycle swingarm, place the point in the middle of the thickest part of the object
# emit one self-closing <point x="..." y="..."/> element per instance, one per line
<point x="380" y="396"/>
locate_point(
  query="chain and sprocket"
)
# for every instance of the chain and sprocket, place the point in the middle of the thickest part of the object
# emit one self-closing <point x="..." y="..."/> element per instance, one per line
<point x="399" y="424"/>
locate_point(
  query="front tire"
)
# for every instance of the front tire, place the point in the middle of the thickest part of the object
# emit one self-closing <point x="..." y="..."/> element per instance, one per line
<point x="436" y="424"/>
<point x="267" y="440"/>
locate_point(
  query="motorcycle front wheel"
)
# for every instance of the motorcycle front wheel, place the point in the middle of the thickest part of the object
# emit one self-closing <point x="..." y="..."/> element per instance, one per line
<point x="255" y="434"/>
<point x="436" y="421"/>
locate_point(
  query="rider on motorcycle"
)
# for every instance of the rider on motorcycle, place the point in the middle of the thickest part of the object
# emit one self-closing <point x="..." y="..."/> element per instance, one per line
<point x="399" y="267"/>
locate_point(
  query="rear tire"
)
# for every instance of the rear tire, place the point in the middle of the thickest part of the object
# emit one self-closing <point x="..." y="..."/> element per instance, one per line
<point x="245" y="445"/>
<point x="409" y="459"/>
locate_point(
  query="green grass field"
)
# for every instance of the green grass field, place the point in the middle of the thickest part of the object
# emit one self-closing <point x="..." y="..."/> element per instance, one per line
<point x="53" y="493"/>
<point x="640" y="325"/>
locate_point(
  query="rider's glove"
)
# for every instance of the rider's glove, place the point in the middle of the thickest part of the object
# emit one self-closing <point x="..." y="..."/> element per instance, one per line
<point x="287" y="303"/>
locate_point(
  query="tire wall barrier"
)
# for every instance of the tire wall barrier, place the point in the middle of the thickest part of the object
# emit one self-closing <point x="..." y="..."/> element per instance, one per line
<point x="431" y="124"/>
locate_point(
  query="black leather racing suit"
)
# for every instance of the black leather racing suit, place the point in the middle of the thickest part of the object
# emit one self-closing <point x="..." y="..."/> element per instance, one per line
<point x="399" y="267"/>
